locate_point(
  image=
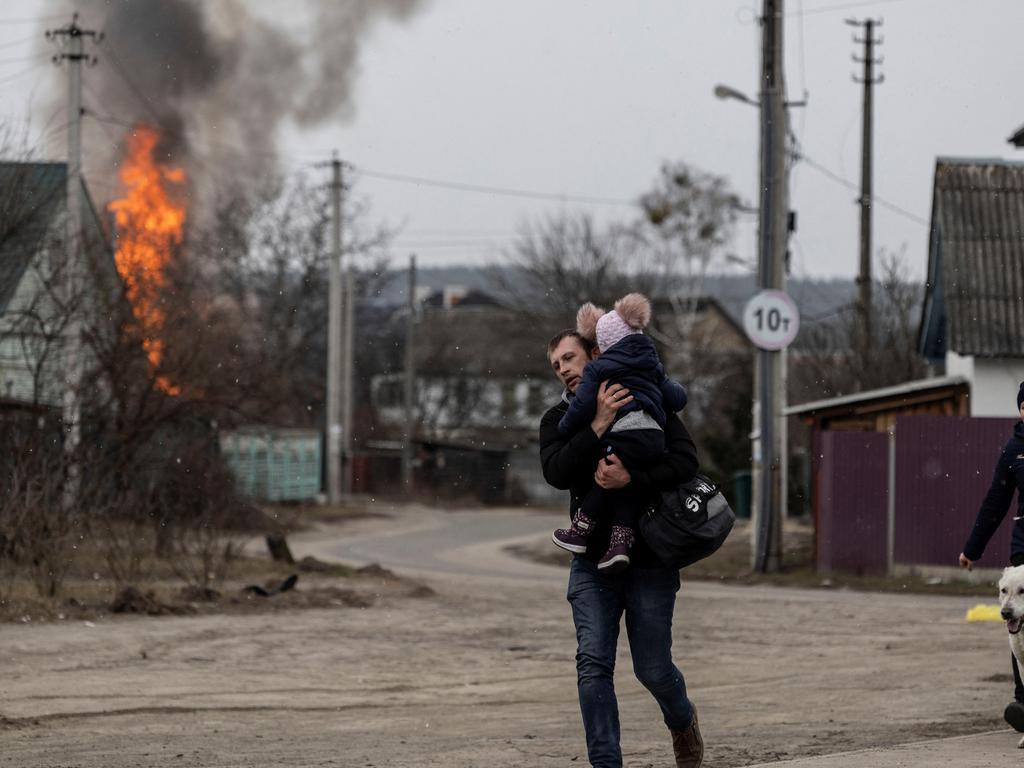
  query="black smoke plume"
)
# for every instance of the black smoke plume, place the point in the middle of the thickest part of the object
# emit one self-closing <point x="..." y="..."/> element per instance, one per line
<point x="219" y="78"/>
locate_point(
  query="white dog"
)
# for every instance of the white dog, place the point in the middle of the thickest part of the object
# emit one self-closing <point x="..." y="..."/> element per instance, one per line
<point x="1011" y="607"/>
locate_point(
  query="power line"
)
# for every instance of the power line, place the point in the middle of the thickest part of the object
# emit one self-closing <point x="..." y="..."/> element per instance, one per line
<point x="146" y="103"/>
<point x="22" y="41"/>
<point x="453" y="244"/>
<point x="505" y="191"/>
<point x="19" y="59"/>
<point x="34" y="20"/>
<point x="855" y="187"/>
<point x="22" y="73"/>
<point x="845" y="6"/>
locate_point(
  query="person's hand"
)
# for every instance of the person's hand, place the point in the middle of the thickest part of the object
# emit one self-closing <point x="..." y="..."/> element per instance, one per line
<point x="965" y="563"/>
<point x="609" y="400"/>
<point x="611" y="473"/>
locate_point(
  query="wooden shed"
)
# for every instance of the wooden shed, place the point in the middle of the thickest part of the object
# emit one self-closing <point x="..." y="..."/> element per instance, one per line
<point x="877" y="409"/>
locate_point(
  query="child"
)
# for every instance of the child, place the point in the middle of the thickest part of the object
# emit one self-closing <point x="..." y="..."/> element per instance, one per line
<point x="637" y="435"/>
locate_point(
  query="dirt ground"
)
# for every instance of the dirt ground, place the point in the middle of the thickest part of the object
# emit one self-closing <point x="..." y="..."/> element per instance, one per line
<point x="481" y="673"/>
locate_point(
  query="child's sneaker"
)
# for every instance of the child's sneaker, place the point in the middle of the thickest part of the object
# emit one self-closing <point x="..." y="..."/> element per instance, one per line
<point x="616" y="559"/>
<point x="574" y="538"/>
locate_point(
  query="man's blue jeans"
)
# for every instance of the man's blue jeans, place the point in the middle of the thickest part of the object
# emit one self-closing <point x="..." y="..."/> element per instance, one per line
<point x="647" y="596"/>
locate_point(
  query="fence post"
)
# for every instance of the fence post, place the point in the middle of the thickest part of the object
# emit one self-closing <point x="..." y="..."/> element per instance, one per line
<point x="890" y="537"/>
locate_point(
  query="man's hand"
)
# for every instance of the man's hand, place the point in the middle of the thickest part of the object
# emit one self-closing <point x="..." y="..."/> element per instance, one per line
<point x="609" y="400"/>
<point x="611" y="473"/>
<point x="965" y="563"/>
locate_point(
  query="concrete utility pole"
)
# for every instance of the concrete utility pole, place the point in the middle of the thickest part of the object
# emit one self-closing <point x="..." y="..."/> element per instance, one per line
<point x="74" y="267"/>
<point x="409" y="381"/>
<point x="348" y="377"/>
<point x="772" y="234"/>
<point x="334" y="337"/>
<point x="869" y="80"/>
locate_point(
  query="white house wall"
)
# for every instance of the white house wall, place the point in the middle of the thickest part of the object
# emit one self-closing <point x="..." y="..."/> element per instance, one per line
<point x="20" y="351"/>
<point x="21" y="348"/>
<point x="994" y="382"/>
<point x="491" y="410"/>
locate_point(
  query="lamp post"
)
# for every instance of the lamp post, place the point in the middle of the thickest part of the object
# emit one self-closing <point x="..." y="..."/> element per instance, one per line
<point x="769" y="435"/>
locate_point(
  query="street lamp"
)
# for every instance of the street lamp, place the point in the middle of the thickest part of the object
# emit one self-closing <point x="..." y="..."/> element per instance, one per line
<point x="769" y="435"/>
<point x="726" y="92"/>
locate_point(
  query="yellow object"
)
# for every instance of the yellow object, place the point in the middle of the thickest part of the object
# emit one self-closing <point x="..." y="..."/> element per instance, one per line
<point x="982" y="612"/>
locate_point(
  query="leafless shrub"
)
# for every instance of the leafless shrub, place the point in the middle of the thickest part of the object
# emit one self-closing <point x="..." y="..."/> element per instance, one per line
<point x="199" y="509"/>
<point x="39" y="525"/>
<point x="120" y="526"/>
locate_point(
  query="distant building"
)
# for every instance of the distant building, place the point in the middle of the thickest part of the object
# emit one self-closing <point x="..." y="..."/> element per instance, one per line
<point x="972" y="322"/>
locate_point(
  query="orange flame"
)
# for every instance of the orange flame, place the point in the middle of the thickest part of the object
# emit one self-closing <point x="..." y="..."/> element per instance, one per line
<point x="149" y="226"/>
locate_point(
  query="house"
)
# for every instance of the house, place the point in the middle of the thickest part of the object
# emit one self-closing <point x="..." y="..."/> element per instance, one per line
<point x="483" y="380"/>
<point x="973" y="316"/>
<point x="482" y="385"/>
<point x="44" y="300"/>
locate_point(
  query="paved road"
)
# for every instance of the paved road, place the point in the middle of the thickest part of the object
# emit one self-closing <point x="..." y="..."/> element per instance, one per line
<point x="453" y="545"/>
<point x="481" y="672"/>
<point x="436" y="542"/>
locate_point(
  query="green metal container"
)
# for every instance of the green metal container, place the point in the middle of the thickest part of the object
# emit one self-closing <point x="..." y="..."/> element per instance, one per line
<point x="274" y="464"/>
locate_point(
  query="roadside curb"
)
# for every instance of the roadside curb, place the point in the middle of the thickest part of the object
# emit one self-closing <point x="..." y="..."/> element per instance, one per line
<point x="976" y="750"/>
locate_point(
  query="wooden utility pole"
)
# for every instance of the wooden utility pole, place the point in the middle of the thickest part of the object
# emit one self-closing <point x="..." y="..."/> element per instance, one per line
<point x="869" y="80"/>
<point x="334" y="337"/>
<point x="409" y="382"/>
<point x="772" y="234"/>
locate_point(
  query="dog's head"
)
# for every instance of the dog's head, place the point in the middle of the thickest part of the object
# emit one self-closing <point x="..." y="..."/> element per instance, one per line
<point x="1011" y="598"/>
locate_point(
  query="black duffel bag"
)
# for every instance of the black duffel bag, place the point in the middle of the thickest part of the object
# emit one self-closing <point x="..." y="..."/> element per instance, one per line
<point x="688" y="524"/>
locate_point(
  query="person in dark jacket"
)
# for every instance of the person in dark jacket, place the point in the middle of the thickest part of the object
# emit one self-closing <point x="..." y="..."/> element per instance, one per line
<point x="1008" y="477"/>
<point x="637" y="434"/>
<point x="645" y="593"/>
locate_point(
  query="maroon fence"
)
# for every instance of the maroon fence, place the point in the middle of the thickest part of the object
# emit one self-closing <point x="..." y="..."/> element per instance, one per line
<point x="853" y="500"/>
<point x="943" y="467"/>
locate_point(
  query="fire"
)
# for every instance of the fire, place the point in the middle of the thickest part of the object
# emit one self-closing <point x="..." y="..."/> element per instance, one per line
<point x="149" y="226"/>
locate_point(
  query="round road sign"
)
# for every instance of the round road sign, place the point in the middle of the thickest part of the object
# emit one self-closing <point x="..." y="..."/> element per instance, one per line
<point x="771" y="320"/>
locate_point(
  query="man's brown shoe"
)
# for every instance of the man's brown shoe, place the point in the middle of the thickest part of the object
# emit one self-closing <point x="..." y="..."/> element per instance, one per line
<point x="688" y="745"/>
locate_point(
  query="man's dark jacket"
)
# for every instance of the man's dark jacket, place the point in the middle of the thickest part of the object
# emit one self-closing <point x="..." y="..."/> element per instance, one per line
<point x="632" y="362"/>
<point x="569" y="463"/>
<point x="1009" y="477"/>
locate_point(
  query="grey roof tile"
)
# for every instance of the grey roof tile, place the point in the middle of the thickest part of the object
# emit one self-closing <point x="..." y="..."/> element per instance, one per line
<point x="31" y="194"/>
<point x="978" y="217"/>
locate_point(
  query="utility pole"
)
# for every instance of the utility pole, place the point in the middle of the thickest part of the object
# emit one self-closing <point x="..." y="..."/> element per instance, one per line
<point x="869" y="81"/>
<point x="770" y="447"/>
<point x="409" y="381"/>
<point x="348" y="377"/>
<point x="334" y="338"/>
<point x="74" y="267"/>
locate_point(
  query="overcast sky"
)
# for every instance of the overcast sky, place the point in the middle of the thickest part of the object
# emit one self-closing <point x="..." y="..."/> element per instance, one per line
<point x="586" y="98"/>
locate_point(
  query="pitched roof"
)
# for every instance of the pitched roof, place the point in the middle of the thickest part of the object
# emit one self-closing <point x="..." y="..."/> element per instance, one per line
<point x="31" y="194"/>
<point x="974" y="297"/>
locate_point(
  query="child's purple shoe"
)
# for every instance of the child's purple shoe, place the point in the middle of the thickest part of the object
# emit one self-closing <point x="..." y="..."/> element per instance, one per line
<point x="574" y="538"/>
<point x="616" y="559"/>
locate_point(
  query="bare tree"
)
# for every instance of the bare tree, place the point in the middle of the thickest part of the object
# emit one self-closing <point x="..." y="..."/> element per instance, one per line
<point x="687" y="223"/>
<point x="828" y="363"/>
<point x="564" y="261"/>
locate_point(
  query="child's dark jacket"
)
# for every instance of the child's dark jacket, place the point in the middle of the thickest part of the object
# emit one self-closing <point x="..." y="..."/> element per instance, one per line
<point x="632" y="362"/>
